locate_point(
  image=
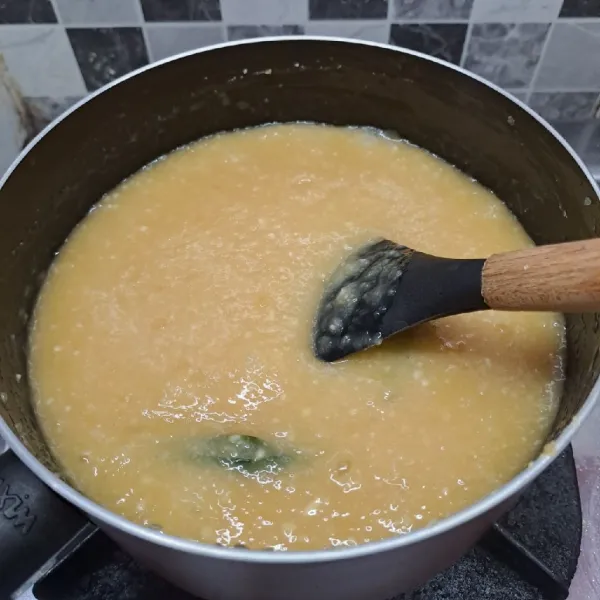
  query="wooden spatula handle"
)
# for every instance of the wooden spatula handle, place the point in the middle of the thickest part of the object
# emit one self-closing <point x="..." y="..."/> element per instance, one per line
<point x="561" y="277"/>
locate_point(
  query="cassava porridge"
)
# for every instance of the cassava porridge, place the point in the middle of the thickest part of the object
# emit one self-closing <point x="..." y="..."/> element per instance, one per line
<point x="171" y="348"/>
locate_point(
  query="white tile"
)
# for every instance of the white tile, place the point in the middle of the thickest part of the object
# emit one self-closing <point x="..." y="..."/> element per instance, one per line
<point x="41" y="60"/>
<point x="12" y="135"/>
<point x="587" y="443"/>
<point x="112" y="12"/>
<point x="48" y="109"/>
<point x="571" y="58"/>
<point x="264" y="12"/>
<point x="515" y="11"/>
<point x="426" y="11"/>
<point x="506" y="53"/>
<point x="360" y="30"/>
<point x="167" y="40"/>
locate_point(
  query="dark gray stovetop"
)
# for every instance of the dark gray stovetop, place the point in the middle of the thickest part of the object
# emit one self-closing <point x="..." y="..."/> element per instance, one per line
<point x="530" y="555"/>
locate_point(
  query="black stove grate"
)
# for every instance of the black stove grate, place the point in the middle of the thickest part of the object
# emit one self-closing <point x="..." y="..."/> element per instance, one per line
<point x="48" y="551"/>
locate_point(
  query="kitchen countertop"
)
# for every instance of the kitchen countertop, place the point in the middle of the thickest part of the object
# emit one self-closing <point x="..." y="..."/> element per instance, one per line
<point x="586" y="449"/>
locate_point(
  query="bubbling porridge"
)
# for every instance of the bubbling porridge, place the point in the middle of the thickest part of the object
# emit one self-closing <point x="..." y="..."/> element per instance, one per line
<point x="171" y="358"/>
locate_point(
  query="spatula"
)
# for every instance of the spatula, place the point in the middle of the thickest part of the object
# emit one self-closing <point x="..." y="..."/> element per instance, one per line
<point x="385" y="288"/>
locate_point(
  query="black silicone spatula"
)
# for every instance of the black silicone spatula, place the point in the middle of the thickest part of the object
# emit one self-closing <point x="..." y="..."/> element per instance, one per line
<point x="385" y="288"/>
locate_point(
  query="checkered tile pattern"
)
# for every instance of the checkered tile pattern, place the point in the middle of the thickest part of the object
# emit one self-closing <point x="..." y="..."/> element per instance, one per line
<point x="58" y="50"/>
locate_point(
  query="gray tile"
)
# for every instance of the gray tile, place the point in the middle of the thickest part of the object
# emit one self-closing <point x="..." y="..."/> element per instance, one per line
<point x="264" y="12"/>
<point x="580" y="8"/>
<point x="13" y="125"/>
<point x="571" y="58"/>
<point x="347" y="9"/>
<point x="506" y="53"/>
<point x="41" y="60"/>
<point x="370" y="31"/>
<point x="22" y="118"/>
<point x="518" y="94"/>
<point x="107" y="53"/>
<point x="563" y="106"/>
<point x="443" y="40"/>
<point x="426" y="10"/>
<point x="515" y="11"/>
<point x="167" y="40"/>
<point x="591" y="152"/>
<point x="26" y="11"/>
<point x="123" y="12"/>
<point x="181" y="10"/>
<point x="242" y="32"/>
<point x="42" y="111"/>
<point x="572" y="132"/>
<point x="47" y="109"/>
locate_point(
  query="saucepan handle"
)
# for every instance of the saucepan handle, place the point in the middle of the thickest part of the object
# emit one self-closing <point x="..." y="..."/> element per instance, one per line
<point x="36" y="526"/>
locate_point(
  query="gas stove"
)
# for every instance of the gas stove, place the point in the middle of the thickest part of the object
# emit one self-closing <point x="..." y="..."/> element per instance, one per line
<point x="50" y="551"/>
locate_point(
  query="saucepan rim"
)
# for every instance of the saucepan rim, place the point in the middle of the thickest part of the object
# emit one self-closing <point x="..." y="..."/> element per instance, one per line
<point x="513" y="487"/>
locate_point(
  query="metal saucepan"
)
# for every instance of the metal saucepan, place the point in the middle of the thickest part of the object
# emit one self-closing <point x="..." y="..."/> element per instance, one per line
<point x="442" y="108"/>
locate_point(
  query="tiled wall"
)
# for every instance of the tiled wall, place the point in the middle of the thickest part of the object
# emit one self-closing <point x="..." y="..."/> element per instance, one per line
<point x="547" y="52"/>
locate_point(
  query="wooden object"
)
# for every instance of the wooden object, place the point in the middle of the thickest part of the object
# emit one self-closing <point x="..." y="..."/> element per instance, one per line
<point x="561" y="277"/>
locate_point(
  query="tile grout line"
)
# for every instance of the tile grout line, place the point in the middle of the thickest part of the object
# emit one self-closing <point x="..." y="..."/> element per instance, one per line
<point x="388" y="21"/>
<point x="102" y="25"/>
<point x="306" y="15"/>
<point x="538" y="67"/>
<point x="60" y="25"/>
<point x="559" y="90"/>
<point x="590" y="20"/>
<point x="596" y="108"/>
<point x="466" y="43"/>
<point x="59" y="20"/>
<point x="142" y="25"/>
<point x="123" y="24"/>
<point x="431" y="21"/>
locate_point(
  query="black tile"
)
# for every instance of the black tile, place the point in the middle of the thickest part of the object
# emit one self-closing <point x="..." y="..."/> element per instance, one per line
<point x="347" y="9"/>
<point x="443" y="40"/>
<point x="181" y="10"/>
<point x="242" y="32"/>
<point x="107" y="53"/>
<point x="26" y="11"/>
<point x="580" y="8"/>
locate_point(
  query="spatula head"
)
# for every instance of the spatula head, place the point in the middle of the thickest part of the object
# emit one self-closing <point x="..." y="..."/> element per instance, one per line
<point x="385" y="288"/>
<point x="356" y="299"/>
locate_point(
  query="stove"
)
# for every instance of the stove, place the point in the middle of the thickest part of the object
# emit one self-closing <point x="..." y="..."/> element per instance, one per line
<point x="50" y="551"/>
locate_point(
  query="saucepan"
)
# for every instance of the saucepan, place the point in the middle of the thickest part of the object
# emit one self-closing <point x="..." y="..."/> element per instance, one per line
<point x="472" y="124"/>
